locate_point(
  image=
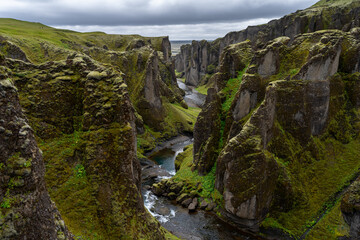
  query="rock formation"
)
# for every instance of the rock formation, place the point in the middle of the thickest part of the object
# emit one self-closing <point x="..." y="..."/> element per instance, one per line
<point x="26" y="210"/>
<point x="86" y="103"/>
<point x="274" y="126"/>
<point x="350" y="209"/>
<point x="195" y="58"/>
<point x="207" y="133"/>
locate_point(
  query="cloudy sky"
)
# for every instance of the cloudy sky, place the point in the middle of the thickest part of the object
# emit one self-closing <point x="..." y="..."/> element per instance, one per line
<point x="179" y="19"/>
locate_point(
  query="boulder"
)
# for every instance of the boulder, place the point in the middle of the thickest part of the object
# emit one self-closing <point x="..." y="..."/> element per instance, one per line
<point x="186" y="202"/>
<point x="27" y="210"/>
<point x="193" y="205"/>
<point x="350" y="208"/>
<point x="203" y="204"/>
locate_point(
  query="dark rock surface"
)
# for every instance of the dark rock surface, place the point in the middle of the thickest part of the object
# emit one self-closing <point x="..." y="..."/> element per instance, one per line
<point x="207" y="133"/>
<point x="350" y="208"/>
<point x="27" y="211"/>
<point x="195" y="58"/>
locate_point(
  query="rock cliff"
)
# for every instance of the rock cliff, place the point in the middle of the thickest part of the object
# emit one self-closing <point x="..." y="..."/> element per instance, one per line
<point x="86" y="102"/>
<point x="26" y="210"/>
<point x="195" y="59"/>
<point x="279" y="134"/>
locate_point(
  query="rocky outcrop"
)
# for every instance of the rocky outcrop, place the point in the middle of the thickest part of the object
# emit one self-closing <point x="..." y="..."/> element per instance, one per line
<point x="150" y="106"/>
<point x="207" y="133"/>
<point x="26" y="210"/>
<point x="166" y="48"/>
<point x="245" y="160"/>
<point x="196" y="60"/>
<point x="90" y="102"/>
<point x="328" y="15"/>
<point x="10" y="50"/>
<point x="310" y="57"/>
<point x="273" y="126"/>
<point x="234" y="58"/>
<point x="350" y="208"/>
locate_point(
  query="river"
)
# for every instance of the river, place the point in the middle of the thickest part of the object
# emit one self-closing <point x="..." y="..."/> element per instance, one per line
<point x="200" y="225"/>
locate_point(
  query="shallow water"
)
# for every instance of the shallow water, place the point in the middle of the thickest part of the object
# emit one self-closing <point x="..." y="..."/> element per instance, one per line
<point x="192" y="97"/>
<point x="200" y="225"/>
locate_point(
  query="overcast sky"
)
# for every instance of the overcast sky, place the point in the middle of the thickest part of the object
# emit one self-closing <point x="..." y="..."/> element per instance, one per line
<point x="179" y="19"/>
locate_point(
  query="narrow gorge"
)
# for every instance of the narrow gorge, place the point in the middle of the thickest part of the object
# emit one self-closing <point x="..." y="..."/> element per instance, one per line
<point x="254" y="135"/>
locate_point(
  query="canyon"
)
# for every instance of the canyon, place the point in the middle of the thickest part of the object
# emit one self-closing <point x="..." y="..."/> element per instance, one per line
<point x="112" y="137"/>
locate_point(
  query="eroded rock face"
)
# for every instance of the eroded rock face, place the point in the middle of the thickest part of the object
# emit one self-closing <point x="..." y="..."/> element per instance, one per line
<point x="27" y="211"/>
<point x="313" y="57"/>
<point x="350" y="208"/>
<point x="207" y="133"/>
<point x="234" y="58"/>
<point x="328" y="16"/>
<point x="297" y="109"/>
<point x="82" y="96"/>
<point x="151" y="107"/>
<point x="245" y="160"/>
<point x="12" y="51"/>
<point x="194" y="60"/>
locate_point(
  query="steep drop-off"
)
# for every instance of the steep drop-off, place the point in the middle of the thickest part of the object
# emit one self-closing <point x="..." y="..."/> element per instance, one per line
<point x="86" y="96"/>
<point x="199" y="59"/>
<point x="294" y="152"/>
<point x="26" y="210"/>
<point x="288" y="126"/>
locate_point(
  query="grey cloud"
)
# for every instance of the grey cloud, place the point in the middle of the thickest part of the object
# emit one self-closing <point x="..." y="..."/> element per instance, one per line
<point x="209" y="31"/>
<point x="144" y="12"/>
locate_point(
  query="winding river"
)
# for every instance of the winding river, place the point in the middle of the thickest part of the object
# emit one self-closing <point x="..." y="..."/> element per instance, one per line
<point x="200" y="225"/>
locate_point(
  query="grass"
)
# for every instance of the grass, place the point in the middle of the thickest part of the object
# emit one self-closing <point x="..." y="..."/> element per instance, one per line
<point x="330" y="227"/>
<point x="230" y="90"/>
<point x="34" y="38"/>
<point x="317" y="181"/>
<point x="202" y="89"/>
<point x="69" y="186"/>
<point x="206" y="184"/>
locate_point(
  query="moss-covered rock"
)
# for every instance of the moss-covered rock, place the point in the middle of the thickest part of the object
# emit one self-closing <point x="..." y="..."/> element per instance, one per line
<point x="207" y="133"/>
<point x="26" y="210"/>
<point x="350" y="208"/>
<point x="82" y="113"/>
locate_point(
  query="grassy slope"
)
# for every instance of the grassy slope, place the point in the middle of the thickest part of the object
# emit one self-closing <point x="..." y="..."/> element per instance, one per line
<point x="203" y="185"/>
<point x="177" y="115"/>
<point x="32" y="36"/>
<point x="332" y="3"/>
<point x="331" y="226"/>
<point x="318" y="180"/>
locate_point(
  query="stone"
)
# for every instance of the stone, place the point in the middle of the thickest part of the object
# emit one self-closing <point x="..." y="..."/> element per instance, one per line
<point x="203" y="204"/>
<point x="211" y="206"/>
<point x="182" y="197"/>
<point x="163" y="211"/>
<point x="186" y="202"/>
<point x="157" y="189"/>
<point x="193" y="205"/>
<point x="350" y="208"/>
<point x="172" y="195"/>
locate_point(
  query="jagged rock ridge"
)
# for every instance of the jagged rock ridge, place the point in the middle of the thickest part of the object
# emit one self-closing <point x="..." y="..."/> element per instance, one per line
<point x="26" y="210"/>
<point x="200" y="58"/>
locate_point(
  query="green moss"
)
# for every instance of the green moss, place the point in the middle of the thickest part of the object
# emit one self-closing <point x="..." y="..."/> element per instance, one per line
<point x="331" y="226"/>
<point x="204" y="186"/>
<point x="230" y="90"/>
<point x="321" y="176"/>
<point x="202" y="89"/>
<point x="271" y="223"/>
